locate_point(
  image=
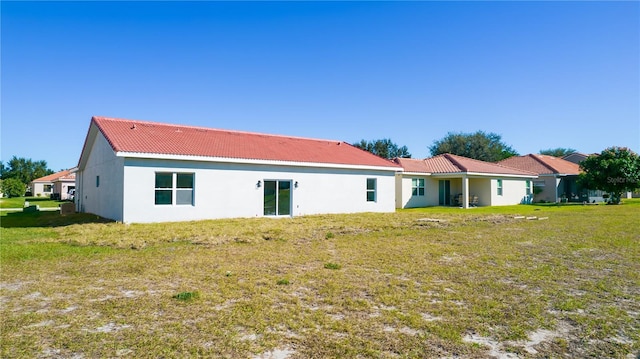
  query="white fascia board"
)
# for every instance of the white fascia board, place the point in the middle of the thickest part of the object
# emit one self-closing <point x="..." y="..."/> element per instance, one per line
<point x="416" y="173"/>
<point x="252" y="161"/>
<point x="483" y="175"/>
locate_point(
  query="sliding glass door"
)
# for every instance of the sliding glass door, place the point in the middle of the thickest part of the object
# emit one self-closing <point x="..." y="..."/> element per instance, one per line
<point x="277" y="198"/>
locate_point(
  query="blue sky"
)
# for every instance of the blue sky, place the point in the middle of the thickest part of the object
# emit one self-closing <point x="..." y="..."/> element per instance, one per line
<point x="541" y="74"/>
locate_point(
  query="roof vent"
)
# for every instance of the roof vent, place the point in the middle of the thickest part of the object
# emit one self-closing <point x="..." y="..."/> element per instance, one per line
<point x="133" y="127"/>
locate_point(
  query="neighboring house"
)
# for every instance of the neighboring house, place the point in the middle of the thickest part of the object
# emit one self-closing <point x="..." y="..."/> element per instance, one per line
<point x="460" y="181"/>
<point x="136" y="171"/>
<point x="56" y="185"/>
<point x="557" y="180"/>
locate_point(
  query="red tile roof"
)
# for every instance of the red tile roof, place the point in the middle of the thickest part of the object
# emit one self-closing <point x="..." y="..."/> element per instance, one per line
<point x="62" y="175"/>
<point x="542" y="164"/>
<point x="412" y="165"/>
<point x="158" y="138"/>
<point x="449" y="163"/>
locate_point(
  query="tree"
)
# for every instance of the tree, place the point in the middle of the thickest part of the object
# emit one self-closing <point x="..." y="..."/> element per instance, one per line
<point x="384" y="148"/>
<point x="557" y="152"/>
<point x="12" y="187"/>
<point x="25" y="170"/>
<point x="480" y="146"/>
<point x="615" y="170"/>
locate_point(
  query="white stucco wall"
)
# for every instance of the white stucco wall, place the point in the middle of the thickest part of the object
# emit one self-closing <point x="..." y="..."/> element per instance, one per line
<point x="404" y="192"/>
<point x="105" y="199"/>
<point x="38" y="188"/>
<point x="513" y="191"/>
<point x="481" y="187"/>
<point x="228" y="190"/>
<point x="550" y="191"/>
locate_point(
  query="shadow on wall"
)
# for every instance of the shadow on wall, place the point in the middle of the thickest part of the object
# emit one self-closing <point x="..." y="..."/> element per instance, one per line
<point x="47" y="219"/>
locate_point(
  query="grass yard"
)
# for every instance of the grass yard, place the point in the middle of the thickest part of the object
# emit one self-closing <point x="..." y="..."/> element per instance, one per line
<point x="18" y="202"/>
<point x="421" y="283"/>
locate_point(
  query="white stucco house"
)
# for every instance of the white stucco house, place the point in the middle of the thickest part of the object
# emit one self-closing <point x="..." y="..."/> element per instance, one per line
<point x="451" y="180"/>
<point x="58" y="184"/>
<point x="138" y="171"/>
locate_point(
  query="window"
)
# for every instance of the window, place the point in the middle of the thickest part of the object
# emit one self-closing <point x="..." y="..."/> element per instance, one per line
<point x="174" y="188"/>
<point x="417" y="186"/>
<point x="499" y="187"/>
<point x="47" y="188"/>
<point x="371" y="189"/>
<point x="528" y="188"/>
<point x="97" y="181"/>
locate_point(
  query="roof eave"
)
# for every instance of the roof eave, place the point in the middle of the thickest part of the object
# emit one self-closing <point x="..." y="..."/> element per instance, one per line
<point x="160" y="156"/>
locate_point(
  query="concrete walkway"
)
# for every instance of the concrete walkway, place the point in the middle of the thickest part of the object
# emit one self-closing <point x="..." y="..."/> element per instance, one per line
<point x="20" y="209"/>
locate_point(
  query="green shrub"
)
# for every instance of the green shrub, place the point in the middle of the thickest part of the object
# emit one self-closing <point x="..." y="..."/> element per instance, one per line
<point x="332" y="265"/>
<point x="187" y="296"/>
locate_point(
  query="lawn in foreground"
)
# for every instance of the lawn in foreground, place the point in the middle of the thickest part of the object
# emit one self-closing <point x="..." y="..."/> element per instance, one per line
<point x="463" y="283"/>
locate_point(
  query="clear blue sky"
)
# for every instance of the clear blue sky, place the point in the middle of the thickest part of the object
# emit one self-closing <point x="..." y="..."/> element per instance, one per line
<point x="541" y="74"/>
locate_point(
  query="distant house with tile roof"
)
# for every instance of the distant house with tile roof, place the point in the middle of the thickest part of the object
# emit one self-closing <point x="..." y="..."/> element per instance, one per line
<point x="449" y="179"/>
<point x="139" y="171"/>
<point x="54" y="185"/>
<point x="557" y="180"/>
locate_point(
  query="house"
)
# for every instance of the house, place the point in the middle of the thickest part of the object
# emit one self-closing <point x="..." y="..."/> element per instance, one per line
<point x="55" y="185"/>
<point x="449" y="179"/>
<point x="138" y="171"/>
<point x="557" y="180"/>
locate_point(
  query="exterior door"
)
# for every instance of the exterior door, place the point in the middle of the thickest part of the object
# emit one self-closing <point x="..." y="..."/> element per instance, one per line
<point x="444" y="192"/>
<point x="277" y="198"/>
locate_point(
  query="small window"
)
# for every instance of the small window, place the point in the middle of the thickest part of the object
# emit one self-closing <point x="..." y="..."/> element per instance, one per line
<point x="164" y="188"/>
<point x="97" y="181"/>
<point x="528" y="188"/>
<point x="499" y="187"/>
<point x="417" y="186"/>
<point x="184" y="191"/>
<point x="371" y="189"/>
<point x="47" y="188"/>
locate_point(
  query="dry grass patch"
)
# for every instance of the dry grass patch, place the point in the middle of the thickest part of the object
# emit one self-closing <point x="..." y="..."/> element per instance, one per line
<point x="471" y="284"/>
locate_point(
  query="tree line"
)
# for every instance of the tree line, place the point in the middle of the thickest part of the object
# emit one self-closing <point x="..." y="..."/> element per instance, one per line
<point x="19" y="172"/>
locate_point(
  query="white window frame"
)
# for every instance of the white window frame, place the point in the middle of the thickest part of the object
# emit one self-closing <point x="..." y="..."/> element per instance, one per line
<point x="417" y="187"/>
<point x="528" y="187"/>
<point x="175" y="189"/>
<point x="499" y="187"/>
<point x="372" y="190"/>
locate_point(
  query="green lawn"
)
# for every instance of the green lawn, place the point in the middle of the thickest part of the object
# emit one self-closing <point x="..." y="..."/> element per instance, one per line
<point x="420" y="283"/>
<point x="18" y="202"/>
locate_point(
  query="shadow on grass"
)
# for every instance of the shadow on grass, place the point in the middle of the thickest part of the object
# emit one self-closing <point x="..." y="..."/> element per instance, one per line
<point x="47" y="219"/>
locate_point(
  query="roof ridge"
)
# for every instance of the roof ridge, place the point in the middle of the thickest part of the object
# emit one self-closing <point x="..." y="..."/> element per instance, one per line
<point x="53" y="176"/>
<point x="535" y="157"/>
<point x="214" y="129"/>
<point x="450" y="157"/>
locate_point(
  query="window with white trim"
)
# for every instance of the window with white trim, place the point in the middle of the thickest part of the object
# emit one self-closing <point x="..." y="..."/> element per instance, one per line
<point x="417" y="186"/>
<point x="47" y="188"/>
<point x="174" y="188"/>
<point x="499" y="187"/>
<point x="528" y="185"/>
<point x="371" y="189"/>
